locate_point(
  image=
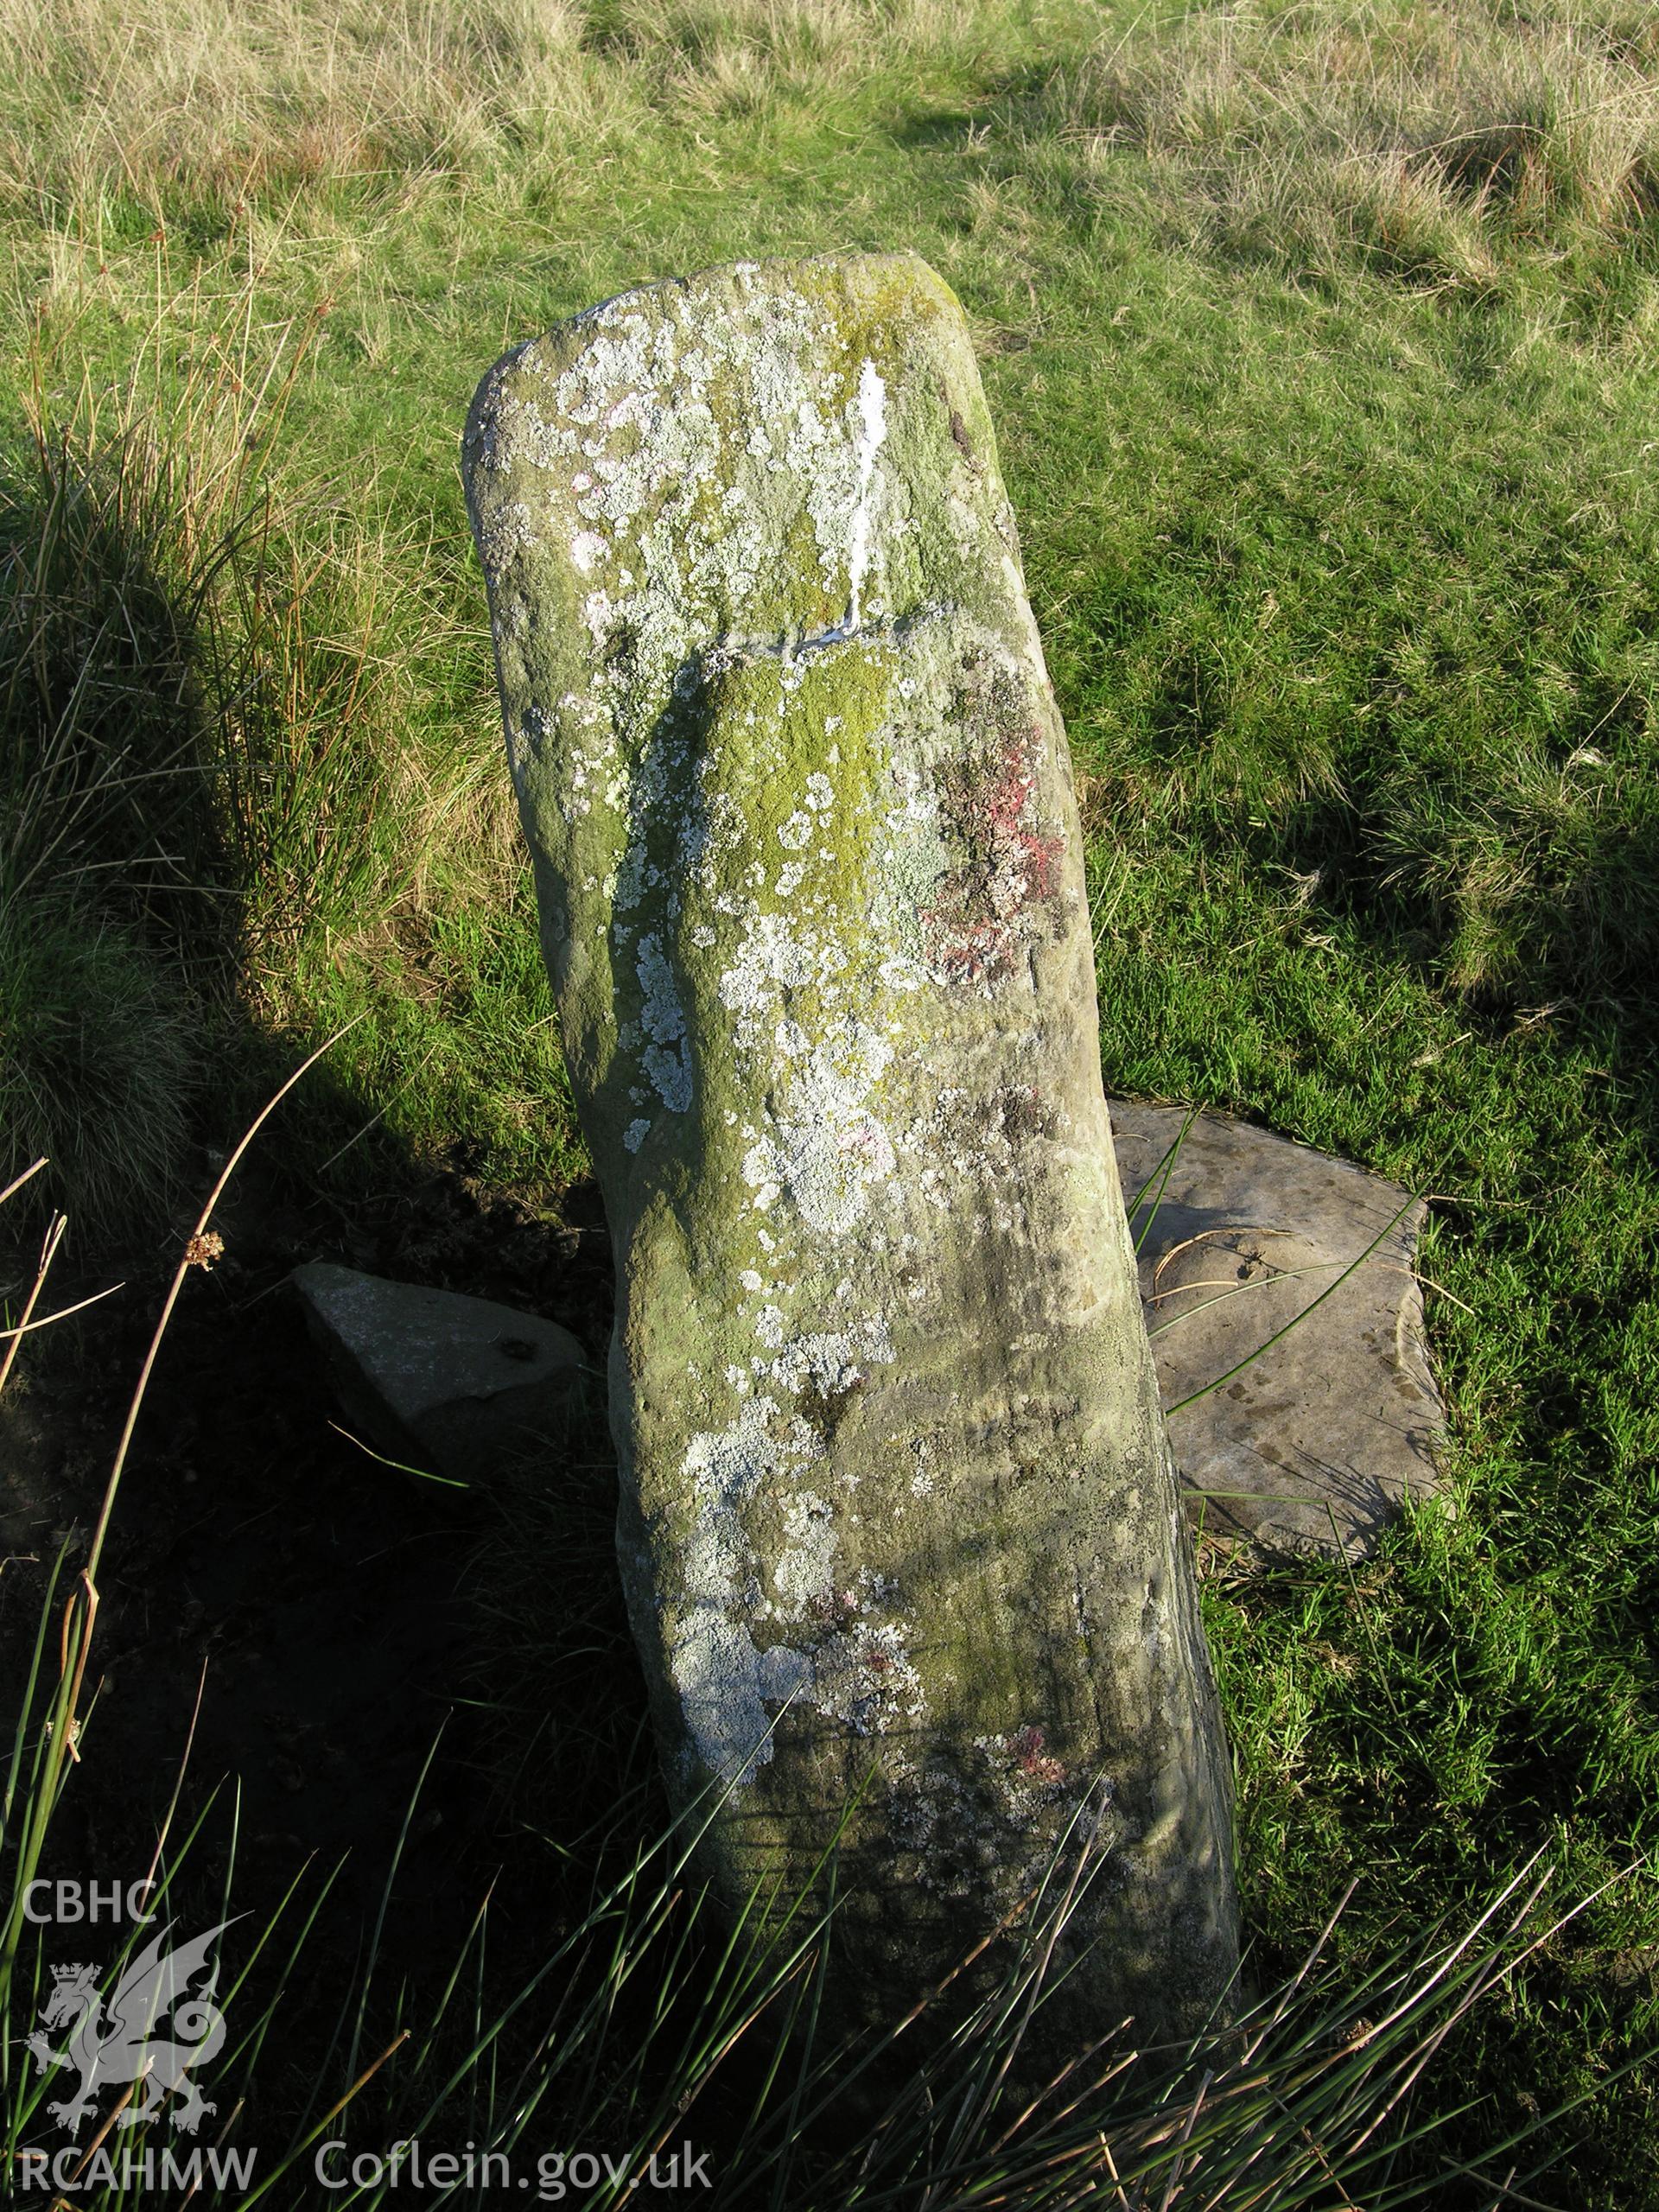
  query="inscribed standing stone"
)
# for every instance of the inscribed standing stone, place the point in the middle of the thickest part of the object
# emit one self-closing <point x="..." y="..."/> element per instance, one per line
<point x="898" y="1525"/>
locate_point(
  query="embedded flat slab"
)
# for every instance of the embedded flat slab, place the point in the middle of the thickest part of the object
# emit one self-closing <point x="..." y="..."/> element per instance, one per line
<point x="1315" y="1445"/>
<point x="436" y="1377"/>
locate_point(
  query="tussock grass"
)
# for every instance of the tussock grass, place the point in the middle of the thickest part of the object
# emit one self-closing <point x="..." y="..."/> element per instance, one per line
<point x="128" y="532"/>
<point x="111" y="543"/>
<point x="108" y="100"/>
<point x="100" y="1062"/>
<point x="1441" y="141"/>
<point x="205" y="670"/>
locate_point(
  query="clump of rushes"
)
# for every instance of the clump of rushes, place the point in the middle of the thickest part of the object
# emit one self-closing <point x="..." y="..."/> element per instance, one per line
<point x="99" y="1057"/>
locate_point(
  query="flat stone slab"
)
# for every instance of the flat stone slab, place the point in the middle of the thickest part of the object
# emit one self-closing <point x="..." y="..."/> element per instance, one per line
<point x="1315" y="1445"/>
<point x="436" y="1378"/>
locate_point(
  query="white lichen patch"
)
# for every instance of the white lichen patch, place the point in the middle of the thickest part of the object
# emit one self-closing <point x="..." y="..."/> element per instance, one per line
<point x="827" y="1361"/>
<point x="865" y="1678"/>
<point x="664" y="1057"/>
<point x="872" y="429"/>
<point x="712" y="1655"/>
<point x="804" y="1573"/>
<point x="859" y="1674"/>
<point x="775" y="956"/>
<point x="716" y="1670"/>
<point x="824" y="1150"/>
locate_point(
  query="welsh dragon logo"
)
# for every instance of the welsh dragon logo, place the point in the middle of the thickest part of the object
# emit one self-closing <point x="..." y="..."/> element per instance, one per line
<point x="114" y="2039"/>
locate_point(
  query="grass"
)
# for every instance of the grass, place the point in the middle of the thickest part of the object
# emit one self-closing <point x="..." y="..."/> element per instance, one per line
<point x="1320" y="343"/>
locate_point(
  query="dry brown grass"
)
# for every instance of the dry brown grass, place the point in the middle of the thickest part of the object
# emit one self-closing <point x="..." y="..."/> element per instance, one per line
<point x="282" y="89"/>
<point x="732" y="55"/>
<point x="1434" y="133"/>
<point x="104" y="96"/>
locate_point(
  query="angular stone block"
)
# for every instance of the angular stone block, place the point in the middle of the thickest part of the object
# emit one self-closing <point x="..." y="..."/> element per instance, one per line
<point x="899" y="1526"/>
<point x="436" y="1378"/>
<point x="1315" y="1444"/>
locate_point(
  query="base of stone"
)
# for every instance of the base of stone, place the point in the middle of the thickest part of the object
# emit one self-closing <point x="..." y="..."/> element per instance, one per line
<point x="1313" y="1445"/>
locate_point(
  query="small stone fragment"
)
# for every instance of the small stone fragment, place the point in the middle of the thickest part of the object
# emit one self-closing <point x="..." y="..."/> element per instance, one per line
<point x="1315" y="1444"/>
<point x="437" y="1379"/>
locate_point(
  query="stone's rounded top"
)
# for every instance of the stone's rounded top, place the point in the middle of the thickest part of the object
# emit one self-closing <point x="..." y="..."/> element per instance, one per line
<point x="682" y="331"/>
<point x="855" y="274"/>
<point x="777" y="273"/>
<point x="779" y="452"/>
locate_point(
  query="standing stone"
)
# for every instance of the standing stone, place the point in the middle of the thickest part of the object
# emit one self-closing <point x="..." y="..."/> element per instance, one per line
<point x="899" y="1524"/>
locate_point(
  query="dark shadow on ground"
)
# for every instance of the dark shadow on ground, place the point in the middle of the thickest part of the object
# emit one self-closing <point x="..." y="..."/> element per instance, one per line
<point x="338" y="1617"/>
